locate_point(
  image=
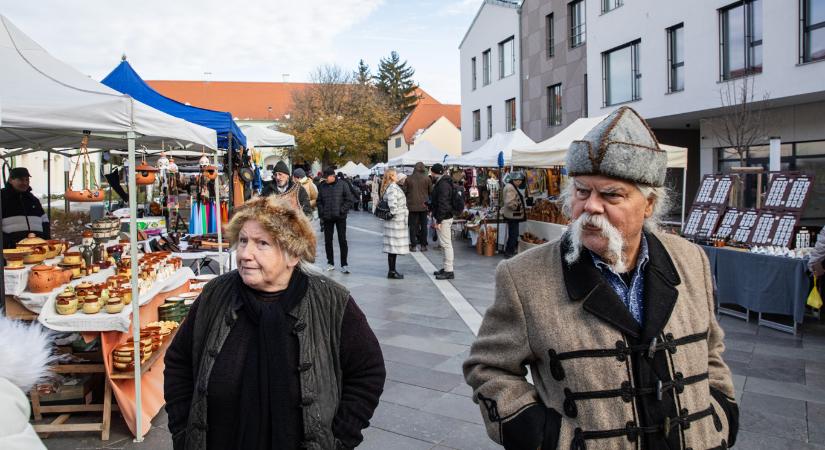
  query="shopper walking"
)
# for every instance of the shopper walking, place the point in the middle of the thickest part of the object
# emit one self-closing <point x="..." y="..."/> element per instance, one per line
<point x="299" y="176"/>
<point x="375" y="180"/>
<point x="418" y="188"/>
<point x="334" y="201"/>
<point x="283" y="186"/>
<point x="513" y="211"/>
<point x="442" y="210"/>
<point x="272" y="355"/>
<point x="396" y="237"/>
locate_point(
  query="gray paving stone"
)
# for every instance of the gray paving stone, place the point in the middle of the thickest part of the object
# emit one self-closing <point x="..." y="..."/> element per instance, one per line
<point x="414" y="423"/>
<point x="786" y="390"/>
<point x="409" y="395"/>
<point x="424" y="344"/>
<point x="455" y="406"/>
<point x="413" y="357"/>
<point x="377" y="439"/>
<point x="790" y="370"/>
<point x="470" y="437"/>
<point x="758" y="441"/>
<point x="758" y="419"/>
<point x="816" y="423"/>
<point x="463" y="389"/>
<point x="418" y="376"/>
<point x="453" y="365"/>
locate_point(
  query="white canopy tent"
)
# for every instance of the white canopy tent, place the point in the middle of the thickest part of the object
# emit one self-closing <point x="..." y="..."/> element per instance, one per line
<point x="363" y="171"/>
<point x="487" y="154"/>
<point x="422" y="151"/>
<point x="49" y="105"/>
<point x="258" y="137"/>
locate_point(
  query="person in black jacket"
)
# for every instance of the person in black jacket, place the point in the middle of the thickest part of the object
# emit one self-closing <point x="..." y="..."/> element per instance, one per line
<point x="22" y="211"/>
<point x="334" y="200"/>
<point x="282" y="186"/>
<point x="353" y="189"/>
<point x="442" y="211"/>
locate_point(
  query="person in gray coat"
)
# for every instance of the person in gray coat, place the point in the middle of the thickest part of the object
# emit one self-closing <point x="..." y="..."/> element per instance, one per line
<point x="418" y="188"/>
<point x="396" y="237"/>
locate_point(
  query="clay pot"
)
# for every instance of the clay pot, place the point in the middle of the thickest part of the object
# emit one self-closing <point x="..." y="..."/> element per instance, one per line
<point x="14" y="257"/>
<point x="210" y="172"/>
<point x="84" y="195"/>
<point x="145" y="174"/>
<point x="71" y="258"/>
<point x="489" y="248"/>
<point x="43" y="278"/>
<point x="39" y="249"/>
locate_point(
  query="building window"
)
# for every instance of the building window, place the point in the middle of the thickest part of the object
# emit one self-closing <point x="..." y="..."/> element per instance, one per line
<point x="741" y="39"/>
<point x="477" y="125"/>
<point x="577" y="25"/>
<point x="554" y="105"/>
<point x="551" y="42"/>
<point x="676" y="58"/>
<point x="610" y="5"/>
<point x="507" y="58"/>
<point x="622" y="79"/>
<point x="510" y="115"/>
<point x="474" y="71"/>
<point x="397" y="142"/>
<point x="812" y="22"/>
<point x="485" y="67"/>
<point x="489" y="121"/>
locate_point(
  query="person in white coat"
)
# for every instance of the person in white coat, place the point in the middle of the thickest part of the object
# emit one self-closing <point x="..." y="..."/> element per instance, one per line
<point x="396" y="235"/>
<point x="24" y="361"/>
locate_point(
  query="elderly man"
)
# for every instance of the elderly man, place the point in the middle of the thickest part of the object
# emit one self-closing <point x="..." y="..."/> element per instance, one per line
<point x="616" y="320"/>
<point x="282" y="185"/>
<point x="22" y="211"/>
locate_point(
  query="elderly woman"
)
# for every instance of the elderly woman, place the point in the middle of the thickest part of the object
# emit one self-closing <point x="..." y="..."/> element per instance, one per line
<point x="272" y="355"/>
<point x="396" y="234"/>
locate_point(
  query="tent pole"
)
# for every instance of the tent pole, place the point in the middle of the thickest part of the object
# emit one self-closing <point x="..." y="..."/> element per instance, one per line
<point x="231" y="175"/>
<point x="2" y="266"/>
<point x="49" y="187"/>
<point x="130" y="136"/>
<point x="218" y="202"/>
<point x="684" y="188"/>
<point x="67" y="163"/>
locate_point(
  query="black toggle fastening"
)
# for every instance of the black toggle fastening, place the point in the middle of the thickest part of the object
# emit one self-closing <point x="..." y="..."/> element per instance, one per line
<point x="556" y="369"/>
<point x="570" y="409"/>
<point x="651" y="351"/>
<point x="304" y="367"/>
<point x="299" y="327"/>
<point x="491" y="406"/>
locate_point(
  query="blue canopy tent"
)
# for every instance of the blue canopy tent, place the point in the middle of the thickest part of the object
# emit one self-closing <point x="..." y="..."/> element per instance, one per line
<point x="124" y="79"/>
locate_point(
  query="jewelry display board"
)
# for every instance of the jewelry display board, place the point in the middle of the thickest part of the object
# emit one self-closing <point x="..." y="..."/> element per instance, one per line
<point x="693" y="221"/>
<point x="743" y="227"/>
<point x="714" y="190"/>
<point x="728" y="223"/>
<point x="702" y="221"/>
<point x="774" y="228"/>
<point x="784" y="231"/>
<point x="789" y="192"/>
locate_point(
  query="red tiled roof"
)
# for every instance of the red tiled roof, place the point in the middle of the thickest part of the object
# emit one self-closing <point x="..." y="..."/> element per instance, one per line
<point x="246" y="100"/>
<point x="424" y="115"/>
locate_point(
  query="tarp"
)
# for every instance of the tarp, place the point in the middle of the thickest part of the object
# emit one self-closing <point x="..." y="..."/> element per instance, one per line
<point x="487" y="154"/>
<point x="553" y="151"/>
<point x="48" y="104"/>
<point x="422" y="151"/>
<point x="260" y="137"/>
<point x="124" y="79"/>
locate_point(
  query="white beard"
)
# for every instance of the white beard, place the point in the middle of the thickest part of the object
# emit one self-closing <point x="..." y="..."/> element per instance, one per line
<point x="615" y="242"/>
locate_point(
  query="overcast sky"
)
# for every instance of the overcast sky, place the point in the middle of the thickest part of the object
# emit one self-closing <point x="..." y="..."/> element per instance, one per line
<point x="248" y="40"/>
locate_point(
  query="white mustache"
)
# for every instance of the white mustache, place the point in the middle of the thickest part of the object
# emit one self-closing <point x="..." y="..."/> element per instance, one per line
<point x="615" y="241"/>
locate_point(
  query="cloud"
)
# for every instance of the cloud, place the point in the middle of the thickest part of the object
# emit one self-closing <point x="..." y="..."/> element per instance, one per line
<point x="182" y="39"/>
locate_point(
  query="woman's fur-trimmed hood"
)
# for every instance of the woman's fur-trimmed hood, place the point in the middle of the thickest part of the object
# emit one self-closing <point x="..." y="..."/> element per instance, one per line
<point x="26" y="353"/>
<point x="288" y="226"/>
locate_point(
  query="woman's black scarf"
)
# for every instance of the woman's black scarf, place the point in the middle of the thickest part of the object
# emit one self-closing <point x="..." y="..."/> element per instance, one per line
<point x="265" y="373"/>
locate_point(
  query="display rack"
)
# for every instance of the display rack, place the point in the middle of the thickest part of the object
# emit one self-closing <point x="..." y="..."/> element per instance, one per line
<point x="788" y="192"/>
<point x="702" y="221"/>
<point x="743" y="228"/>
<point x="728" y="223"/>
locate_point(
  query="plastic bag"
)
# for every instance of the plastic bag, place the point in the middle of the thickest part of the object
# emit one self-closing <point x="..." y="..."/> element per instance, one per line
<point x="814" y="298"/>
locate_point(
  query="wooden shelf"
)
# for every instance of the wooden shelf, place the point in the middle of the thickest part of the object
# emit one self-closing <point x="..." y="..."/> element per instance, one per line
<point x="130" y="374"/>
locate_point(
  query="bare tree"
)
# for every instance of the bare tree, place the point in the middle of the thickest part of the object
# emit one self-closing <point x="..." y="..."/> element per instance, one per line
<point x="743" y="120"/>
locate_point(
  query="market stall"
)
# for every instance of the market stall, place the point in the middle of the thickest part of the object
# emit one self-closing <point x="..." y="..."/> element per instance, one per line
<point x="422" y="151"/>
<point x="49" y="106"/>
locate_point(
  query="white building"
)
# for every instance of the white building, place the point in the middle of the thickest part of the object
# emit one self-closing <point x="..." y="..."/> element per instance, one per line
<point x="490" y="73"/>
<point x="677" y="59"/>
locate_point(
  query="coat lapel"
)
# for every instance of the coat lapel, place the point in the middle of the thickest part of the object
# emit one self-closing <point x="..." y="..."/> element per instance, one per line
<point x="586" y="284"/>
<point x="661" y="279"/>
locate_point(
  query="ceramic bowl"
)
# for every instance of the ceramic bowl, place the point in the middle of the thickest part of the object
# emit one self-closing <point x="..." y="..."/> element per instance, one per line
<point x="66" y="307"/>
<point x="71" y="258"/>
<point x="114" y="308"/>
<point x="91" y="306"/>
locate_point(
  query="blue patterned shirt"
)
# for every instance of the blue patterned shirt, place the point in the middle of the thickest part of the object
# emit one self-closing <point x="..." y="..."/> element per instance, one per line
<point x="632" y="296"/>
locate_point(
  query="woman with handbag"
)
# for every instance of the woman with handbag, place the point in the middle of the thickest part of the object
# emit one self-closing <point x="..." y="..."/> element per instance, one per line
<point x="396" y="234"/>
<point x="513" y="211"/>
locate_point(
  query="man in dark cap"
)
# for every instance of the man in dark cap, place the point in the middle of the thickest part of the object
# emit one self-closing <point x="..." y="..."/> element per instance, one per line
<point x="334" y="201"/>
<point x="442" y="211"/>
<point x="22" y="211"/>
<point x="283" y="186"/>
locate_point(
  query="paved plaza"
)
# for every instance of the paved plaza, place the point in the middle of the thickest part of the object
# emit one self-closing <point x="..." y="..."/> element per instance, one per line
<point x="422" y="325"/>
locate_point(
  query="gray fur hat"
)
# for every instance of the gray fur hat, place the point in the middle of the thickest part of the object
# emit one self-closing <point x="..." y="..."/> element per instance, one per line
<point x="620" y="146"/>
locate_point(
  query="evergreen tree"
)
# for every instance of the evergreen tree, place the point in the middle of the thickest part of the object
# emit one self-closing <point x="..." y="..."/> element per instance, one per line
<point x="363" y="75"/>
<point x="395" y="80"/>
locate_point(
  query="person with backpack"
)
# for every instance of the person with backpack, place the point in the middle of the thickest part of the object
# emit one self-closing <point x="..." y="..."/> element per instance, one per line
<point x="444" y="193"/>
<point x="513" y="211"/>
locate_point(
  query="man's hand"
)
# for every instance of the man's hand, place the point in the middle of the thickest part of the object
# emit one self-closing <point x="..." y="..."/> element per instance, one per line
<point x="818" y="269"/>
<point x="438" y="226"/>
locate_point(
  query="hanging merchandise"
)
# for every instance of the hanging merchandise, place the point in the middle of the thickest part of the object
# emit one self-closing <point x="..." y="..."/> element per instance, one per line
<point x="144" y="173"/>
<point x="204" y="161"/>
<point x="90" y="191"/>
<point x="210" y="172"/>
<point x="257" y="182"/>
<point x="237" y="191"/>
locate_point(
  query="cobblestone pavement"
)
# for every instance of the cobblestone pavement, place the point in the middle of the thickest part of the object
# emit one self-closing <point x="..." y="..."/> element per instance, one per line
<point x="780" y="379"/>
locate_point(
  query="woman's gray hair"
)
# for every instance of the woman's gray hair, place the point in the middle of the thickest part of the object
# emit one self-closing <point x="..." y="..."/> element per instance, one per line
<point x="660" y="195"/>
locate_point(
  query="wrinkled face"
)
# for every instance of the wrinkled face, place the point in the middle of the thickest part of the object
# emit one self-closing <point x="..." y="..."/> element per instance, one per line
<point x="620" y="202"/>
<point x="282" y="178"/>
<point x="331" y="179"/>
<point x="20" y="184"/>
<point x="261" y="262"/>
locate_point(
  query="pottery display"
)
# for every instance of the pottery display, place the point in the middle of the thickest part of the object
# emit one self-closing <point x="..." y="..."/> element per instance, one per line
<point x="71" y="258"/>
<point x="91" y="305"/>
<point x="114" y="305"/>
<point x="14" y="257"/>
<point x="145" y="174"/>
<point x="105" y="228"/>
<point x="44" y="278"/>
<point x="66" y="307"/>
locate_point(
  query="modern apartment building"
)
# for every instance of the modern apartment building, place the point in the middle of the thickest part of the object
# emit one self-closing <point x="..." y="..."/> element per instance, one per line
<point x="490" y="73"/>
<point x="554" y="42"/>
<point x="679" y="62"/>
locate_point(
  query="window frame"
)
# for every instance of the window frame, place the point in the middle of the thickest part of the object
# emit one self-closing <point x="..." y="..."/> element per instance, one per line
<point x="749" y="44"/>
<point x="805" y="30"/>
<point x="474" y="73"/>
<point x="486" y="69"/>
<point x="672" y="65"/>
<point x="397" y="142"/>
<point x="555" y="113"/>
<point x="549" y="38"/>
<point x="577" y="31"/>
<point x="635" y="68"/>
<point x="510" y="119"/>
<point x="489" y="121"/>
<point x="501" y="45"/>
<point x="476" y="125"/>
<point x="606" y="8"/>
